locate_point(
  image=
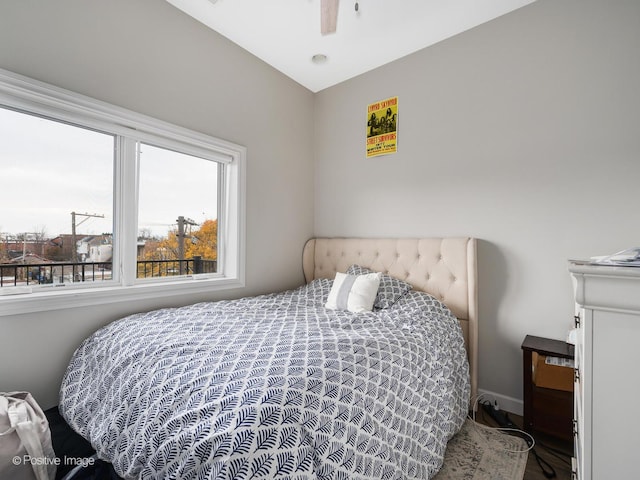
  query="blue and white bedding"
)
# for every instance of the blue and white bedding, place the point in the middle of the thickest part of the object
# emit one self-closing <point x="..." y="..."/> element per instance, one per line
<point x="272" y="387"/>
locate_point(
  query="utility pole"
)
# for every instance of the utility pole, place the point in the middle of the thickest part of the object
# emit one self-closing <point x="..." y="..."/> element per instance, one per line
<point x="181" y="236"/>
<point x="74" y="253"/>
<point x="24" y="244"/>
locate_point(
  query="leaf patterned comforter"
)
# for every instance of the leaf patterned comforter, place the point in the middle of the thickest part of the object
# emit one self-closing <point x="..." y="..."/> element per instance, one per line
<point x="272" y="387"/>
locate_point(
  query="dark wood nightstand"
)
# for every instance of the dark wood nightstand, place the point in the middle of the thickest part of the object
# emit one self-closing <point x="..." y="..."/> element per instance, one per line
<point x="546" y="410"/>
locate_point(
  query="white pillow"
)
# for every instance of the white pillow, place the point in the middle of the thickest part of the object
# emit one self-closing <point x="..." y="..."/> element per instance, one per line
<point x="355" y="293"/>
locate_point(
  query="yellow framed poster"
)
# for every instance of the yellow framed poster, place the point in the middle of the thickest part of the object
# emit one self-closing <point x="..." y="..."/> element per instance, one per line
<point x="382" y="127"/>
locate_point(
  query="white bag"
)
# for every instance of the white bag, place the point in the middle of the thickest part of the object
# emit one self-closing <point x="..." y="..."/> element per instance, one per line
<point x="26" y="452"/>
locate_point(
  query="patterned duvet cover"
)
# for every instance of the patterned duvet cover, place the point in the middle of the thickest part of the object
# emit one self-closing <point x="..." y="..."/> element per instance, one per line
<point x="272" y="387"/>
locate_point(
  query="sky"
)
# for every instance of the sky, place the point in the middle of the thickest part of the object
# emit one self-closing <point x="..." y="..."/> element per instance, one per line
<point x="50" y="169"/>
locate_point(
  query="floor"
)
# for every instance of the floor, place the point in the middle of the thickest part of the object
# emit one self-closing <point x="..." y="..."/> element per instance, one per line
<point x="557" y="453"/>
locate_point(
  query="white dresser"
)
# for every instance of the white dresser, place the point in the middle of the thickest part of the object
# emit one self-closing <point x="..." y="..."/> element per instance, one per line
<point x="607" y="386"/>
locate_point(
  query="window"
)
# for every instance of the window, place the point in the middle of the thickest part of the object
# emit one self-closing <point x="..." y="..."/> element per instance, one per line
<point x="177" y="214"/>
<point x="110" y="205"/>
<point x="53" y="174"/>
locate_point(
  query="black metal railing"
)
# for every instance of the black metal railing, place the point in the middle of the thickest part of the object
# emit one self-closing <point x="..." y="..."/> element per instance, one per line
<point x="68" y="272"/>
<point x="167" y="268"/>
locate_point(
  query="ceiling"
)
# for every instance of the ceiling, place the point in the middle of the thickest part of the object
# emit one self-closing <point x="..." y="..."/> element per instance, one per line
<point x="286" y="33"/>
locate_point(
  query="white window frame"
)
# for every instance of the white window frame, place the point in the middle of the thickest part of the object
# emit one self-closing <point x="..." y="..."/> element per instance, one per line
<point x="31" y="96"/>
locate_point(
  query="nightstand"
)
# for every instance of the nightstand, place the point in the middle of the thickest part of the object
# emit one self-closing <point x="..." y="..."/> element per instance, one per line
<point x="546" y="410"/>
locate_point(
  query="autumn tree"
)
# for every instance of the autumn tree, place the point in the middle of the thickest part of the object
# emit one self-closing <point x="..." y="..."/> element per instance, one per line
<point x="202" y="242"/>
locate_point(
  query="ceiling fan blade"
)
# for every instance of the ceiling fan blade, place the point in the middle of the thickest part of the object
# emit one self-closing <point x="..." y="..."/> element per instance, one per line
<point x="328" y="16"/>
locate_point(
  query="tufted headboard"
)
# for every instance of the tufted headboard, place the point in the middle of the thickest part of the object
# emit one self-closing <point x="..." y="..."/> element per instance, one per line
<point x="444" y="267"/>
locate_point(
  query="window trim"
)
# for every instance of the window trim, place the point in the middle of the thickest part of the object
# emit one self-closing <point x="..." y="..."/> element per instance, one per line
<point x="23" y="93"/>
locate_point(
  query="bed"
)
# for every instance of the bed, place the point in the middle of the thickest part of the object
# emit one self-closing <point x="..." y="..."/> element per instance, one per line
<point x="279" y="386"/>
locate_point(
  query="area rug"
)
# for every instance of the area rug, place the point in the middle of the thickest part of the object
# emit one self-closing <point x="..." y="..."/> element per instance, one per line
<point x="481" y="453"/>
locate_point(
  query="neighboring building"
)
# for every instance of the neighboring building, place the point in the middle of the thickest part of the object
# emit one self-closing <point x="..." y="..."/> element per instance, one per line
<point x="29" y="259"/>
<point x="15" y="248"/>
<point x="95" y="248"/>
<point x="60" y="248"/>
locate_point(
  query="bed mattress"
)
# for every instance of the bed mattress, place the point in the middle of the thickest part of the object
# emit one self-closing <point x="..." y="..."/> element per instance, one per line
<point x="272" y="387"/>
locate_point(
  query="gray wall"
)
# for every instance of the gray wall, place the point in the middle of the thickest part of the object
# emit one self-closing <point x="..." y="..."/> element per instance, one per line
<point x="149" y="57"/>
<point x="523" y="132"/>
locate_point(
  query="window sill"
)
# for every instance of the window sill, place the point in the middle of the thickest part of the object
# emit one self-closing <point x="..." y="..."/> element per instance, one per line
<point x="60" y="300"/>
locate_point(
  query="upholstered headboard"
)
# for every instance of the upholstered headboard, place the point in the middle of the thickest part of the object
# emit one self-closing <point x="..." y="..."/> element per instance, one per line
<point x="444" y="267"/>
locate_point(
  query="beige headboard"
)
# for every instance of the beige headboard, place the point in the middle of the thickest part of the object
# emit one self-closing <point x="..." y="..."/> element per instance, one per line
<point x="444" y="267"/>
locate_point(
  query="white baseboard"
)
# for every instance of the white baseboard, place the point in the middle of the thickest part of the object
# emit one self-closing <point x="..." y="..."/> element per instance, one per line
<point x="510" y="404"/>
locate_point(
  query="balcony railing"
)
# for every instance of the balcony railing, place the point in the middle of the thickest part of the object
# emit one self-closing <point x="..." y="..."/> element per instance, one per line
<point x="167" y="268"/>
<point x="68" y="272"/>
